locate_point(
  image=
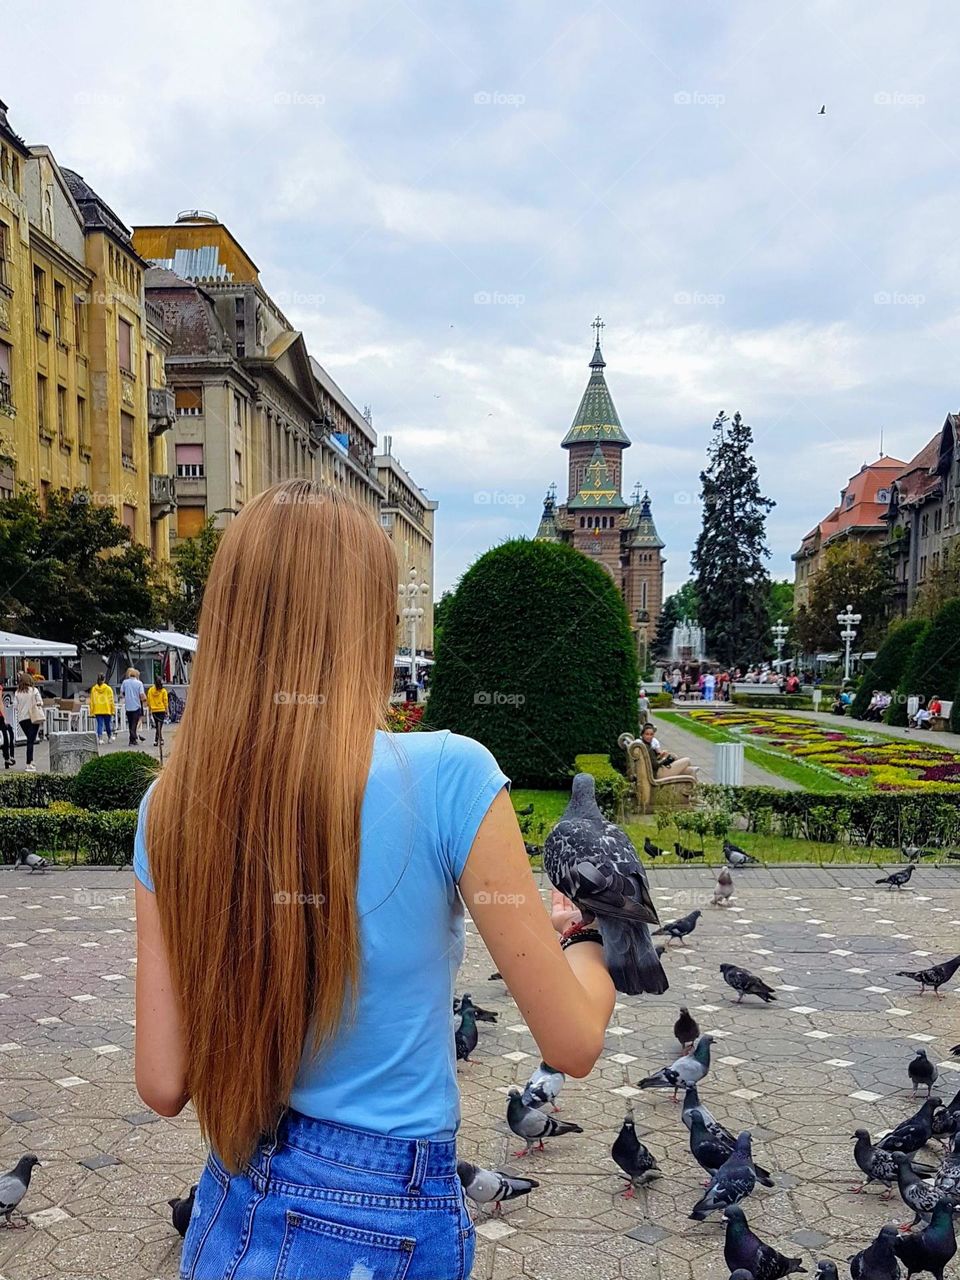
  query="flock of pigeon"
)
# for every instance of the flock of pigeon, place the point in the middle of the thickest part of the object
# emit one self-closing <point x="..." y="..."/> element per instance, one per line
<point x="595" y="865"/>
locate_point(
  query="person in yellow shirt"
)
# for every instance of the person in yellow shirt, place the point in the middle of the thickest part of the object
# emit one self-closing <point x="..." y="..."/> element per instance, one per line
<point x="103" y="708"/>
<point x="159" y="704"/>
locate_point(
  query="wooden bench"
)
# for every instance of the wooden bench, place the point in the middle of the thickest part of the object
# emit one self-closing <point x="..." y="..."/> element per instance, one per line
<point x="652" y="793"/>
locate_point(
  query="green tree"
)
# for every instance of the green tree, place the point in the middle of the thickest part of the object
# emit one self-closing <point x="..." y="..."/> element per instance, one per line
<point x="730" y="576"/>
<point x="941" y="584"/>
<point x="886" y="670"/>
<point x="851" y="573"/>
<point x="440" y="610"/>
<point x="190" y="565"/>
<point x="537" y="661"/>
<point x="933" y="667"/>
<point x="780" y="602"/>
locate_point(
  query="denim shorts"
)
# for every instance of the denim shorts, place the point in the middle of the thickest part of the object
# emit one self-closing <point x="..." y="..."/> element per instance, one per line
<point x="324" y="1202"/>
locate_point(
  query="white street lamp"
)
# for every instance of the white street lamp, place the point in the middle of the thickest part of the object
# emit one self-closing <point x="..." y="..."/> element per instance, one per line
<point x="411" y="611"/>
<point x="780" y="632"/>
<point x="849" y="621"/>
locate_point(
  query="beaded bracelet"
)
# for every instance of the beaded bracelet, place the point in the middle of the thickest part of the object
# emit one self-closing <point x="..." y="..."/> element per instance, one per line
<point x="582" y="935"/>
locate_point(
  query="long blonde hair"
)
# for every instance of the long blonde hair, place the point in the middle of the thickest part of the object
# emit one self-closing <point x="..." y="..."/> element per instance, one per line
<point x="253" y="828"/>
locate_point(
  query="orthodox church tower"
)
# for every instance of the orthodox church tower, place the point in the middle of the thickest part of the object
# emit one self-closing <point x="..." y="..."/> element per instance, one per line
<point x="596" y="518"/>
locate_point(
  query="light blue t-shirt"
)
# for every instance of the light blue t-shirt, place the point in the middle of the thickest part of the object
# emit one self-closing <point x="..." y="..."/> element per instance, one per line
<point x="392" y="1067"/>
<point x="133" y="693"/>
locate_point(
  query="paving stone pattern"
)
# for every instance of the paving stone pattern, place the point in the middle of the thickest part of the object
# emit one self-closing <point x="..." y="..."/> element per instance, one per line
<point x="802" y="1074"/>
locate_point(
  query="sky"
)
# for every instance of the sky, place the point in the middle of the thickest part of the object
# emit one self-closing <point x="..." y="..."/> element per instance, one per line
<point x="442" y="194"/>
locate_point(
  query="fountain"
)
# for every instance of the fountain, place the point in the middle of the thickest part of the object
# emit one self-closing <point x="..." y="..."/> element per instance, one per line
<point x="688" y="643"/>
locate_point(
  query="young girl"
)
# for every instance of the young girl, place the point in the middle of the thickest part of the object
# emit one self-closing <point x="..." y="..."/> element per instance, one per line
<point x="301" y="879"/>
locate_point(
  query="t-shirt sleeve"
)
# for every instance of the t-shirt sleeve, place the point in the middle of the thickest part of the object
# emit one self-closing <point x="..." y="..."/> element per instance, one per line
<point x="141" y="863"/>
<point x="468" y="780"/>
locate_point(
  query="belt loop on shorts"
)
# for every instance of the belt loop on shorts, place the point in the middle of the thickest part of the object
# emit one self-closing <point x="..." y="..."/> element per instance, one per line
<point x="419" y="1167"/>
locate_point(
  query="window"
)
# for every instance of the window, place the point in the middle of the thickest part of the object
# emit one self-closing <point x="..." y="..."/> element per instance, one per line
<point x="938" y="520"/>
<point x="6" y="375"/>
<point x="126" y="346"/>
<point x="82" y="438"/>
<point x="237" y="411"/>
<point x="189" y="401"/>
<point x="237" y="467"/>
<point x="126" y="439"/>
<point x="883" y="496"/>
<point x="150" y="363"/>
<point x="62" y="433"/>
<point x="39" y="296"/>
<point x="128" y="518"/>
<point x="4" y="252"/>
<point x="950" y="513"/>
<point x="190" y="521"/>
<point x="189" y="461"/>
<point x="79" y="321"/>
<point x="923" y="569"/>
<point x="935" y="561"/>
<point x="924" y="525"/>
<point x="41" y="405"/>
<point x="58" y="298"/>
<point x="4" y="166"/>
<point x="849" y="500"/>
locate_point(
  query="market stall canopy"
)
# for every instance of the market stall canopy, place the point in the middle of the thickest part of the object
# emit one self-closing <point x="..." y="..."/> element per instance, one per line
<point x="169" y="639"/>
<point x="402" y="660"/>
<point x="14" y="646"/>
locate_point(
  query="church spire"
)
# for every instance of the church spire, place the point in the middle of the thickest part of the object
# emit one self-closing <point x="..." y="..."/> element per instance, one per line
<point x="598" y="361"/>
<point x="596" y="418"/>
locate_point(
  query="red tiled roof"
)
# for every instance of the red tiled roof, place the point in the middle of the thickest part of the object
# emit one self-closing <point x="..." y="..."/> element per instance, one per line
<point x="918" y="479"/>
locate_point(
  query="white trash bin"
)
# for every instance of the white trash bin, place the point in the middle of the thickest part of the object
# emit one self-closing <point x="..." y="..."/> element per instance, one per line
<point x="728" y="764"/>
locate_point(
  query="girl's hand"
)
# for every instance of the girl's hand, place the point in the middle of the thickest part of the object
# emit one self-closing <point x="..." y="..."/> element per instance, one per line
<point x="563" y="912"/>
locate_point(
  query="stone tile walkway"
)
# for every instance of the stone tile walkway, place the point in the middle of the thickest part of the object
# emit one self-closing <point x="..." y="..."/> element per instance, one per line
<point x="121" y="742"/>
<point x="803" y="1073"/>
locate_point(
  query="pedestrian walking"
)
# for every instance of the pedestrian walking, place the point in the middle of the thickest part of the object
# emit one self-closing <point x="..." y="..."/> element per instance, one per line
<point x="134" y="699"/>
<point x="6" y="739"/>
<point x="643" y="707"/>
<point x="30" y="714"/>
<point x="159" y="704"/>
<point x="103" y="708"/>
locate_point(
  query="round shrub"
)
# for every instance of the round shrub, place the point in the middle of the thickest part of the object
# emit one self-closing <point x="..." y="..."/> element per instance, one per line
<point x="934" y="663"/>
<point x="117" y="781"/>
<point x="886" y="670"/>
<point x="537" y="661"/>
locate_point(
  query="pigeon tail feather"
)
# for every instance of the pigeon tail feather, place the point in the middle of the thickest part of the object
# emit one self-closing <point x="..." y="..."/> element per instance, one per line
<point x="631" y="958"/>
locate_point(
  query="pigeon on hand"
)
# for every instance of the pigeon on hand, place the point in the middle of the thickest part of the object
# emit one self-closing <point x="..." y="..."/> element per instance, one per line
<point x="686" y="855"/>
<point x="913" y="1133"/>
<point x="690" y="1069"/>
<point x="741" y="1248"/>
<point x="898" y="879"/>
<point x="543" y="1087"/>
<point x="947" y="1180"/>
<point x="935" y="976"/>
<point x="481" y="1015"/>
<point x="748" y="984"/>
<point x="181" y="1209"/>
<point x="827" y="1270"/>
<point x="732" y="1182"/>
<point x="595" y="865"/>
<point x="465" y="1032"/>
<point x="711" y="1145"/>
<point x="723" y="889"/>
<point x="532" y="1125"/>
<point x="932" y="1248"/>
<point x="679" y="929"/>
<point x="878" y="1261"/>
<point x="922" y="1071"/>
<point x="630" y="1155"/>
<point x="737" y="857"/>
<point x="652" y="850"/>
<point x="32" y="861"/>
<point x="491" y="1186"/>
<point x="914" y="1192"/>
<point x="13" y="1187"/>
<point x="685" y="1029"/>
<point x="877" y="1164"/>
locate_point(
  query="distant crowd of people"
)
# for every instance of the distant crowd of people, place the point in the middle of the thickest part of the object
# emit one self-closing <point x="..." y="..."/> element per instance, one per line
<point x="922" y="718"/>
<point x="687" y="681"/>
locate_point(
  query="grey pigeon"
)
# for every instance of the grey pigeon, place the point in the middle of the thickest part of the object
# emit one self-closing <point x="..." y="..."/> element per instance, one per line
<point x="490" y="1186"/>
<point x="465" y="1031"/>
<point x="947" y="1180"/>
<point x="930" y="1249"/>
<point x="827" y="1270"/>
<point x="741" y="1248"/>
<point x="680" y="929"/>
<point x="710" y="1143"/>
<point x="653" y="850"/>
<point x="878" y="1261"/>
<point x="737" y="857"/>
<point x="686" y="1028"/>
<point x="914" y="1132"/>
<point x="181" y="1210"/>
<point x="732" y="1182"/>
<point x="723" y="889"/>
<point x="543" y="1087"/>
<point x="481" y="1015"/>
<point x="916" y="1194"/>
<point x="877" y="1164"/>
<point x="629" y="1154"/>
<point x="922" y="1071"/>
<point x="898" y="879"/>
<point x="595" y="865"/>
<point x="934" y="977"/>
<point x="13" y="1187"/>
<point x="32" y="861"/>
<point x="746" y="983"/>
<point x="690" y="1069"/>
<point x="532" y="1125"/>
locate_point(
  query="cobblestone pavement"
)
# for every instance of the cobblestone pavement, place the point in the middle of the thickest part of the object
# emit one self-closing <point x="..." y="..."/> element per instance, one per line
<point x="803" y="1073"/>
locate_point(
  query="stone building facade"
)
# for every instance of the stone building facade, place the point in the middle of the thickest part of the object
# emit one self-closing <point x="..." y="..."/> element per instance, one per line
<point x="407" y="515"/>
<point x="923" y="517"/>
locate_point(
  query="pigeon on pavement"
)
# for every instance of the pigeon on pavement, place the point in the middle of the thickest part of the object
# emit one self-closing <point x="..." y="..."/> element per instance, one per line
<point x="877" y="1164"/>
<point x="947" y="1181"/>
<point x="898" y="878"/>
<point x="878" y="1261"/>
<point x="490" y="1186"/>
<point x="630" y="1155"/>
<point x="914" y="1132"/>
<point x="690" y="1069"/>
<point x="465" y="1031"/>
<point x="711" y="1145"/>
<point x="481" y="1015"/>
<point x="685" y="1029"/>
<point x="737" y="857"/>
<point x="723" y="889"/>
<point x="827" y="1270"/>
<point x="532" y="1125"/>
<point x="741" y="1248"/>
<point x="181" y="1209"/>
<point x="914" y="1192"/>
<point x="543" y="1087"/>
<point x="595" y="865"/>
<point x="748" y="984"/>
<point x="679" y="929"/>
<point x="922" y="1071"/>
<point x="32" y="861"/>
<point x="13" y="1187"/>
<point x="935" y="976"/>
<point x="732" y="1182"/>
<point x="930" y="1249"/>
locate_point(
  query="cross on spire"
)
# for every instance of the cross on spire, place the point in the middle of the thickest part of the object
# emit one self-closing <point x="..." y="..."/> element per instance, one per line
<point x="598" y="325"/>
<point x="636" y="494"/>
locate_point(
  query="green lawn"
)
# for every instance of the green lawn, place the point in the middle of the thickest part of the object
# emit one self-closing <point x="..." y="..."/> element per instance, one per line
<point x="810" y="779"/>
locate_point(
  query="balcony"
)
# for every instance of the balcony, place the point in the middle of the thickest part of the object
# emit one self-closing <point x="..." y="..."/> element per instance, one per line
<point x="163" y="496"/>
<point x="161" y="410"/>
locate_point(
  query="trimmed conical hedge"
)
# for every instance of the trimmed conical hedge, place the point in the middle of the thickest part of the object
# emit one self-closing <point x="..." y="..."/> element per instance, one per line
<point x="886" y="670"/>
<point x="537" y="661"/>
<point x="934" y="663"/>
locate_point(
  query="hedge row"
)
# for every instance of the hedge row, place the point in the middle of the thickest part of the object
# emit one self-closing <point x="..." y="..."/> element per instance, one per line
<point x="886" y="818"/>
<point x="783" y="701"/>
<point x="116" y="781"/>
<point x="103" y="837"/>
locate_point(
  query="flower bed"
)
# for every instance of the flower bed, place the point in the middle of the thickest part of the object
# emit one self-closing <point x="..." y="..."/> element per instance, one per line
<point x="405" y="717"/>
<point x="864" y="759"/>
